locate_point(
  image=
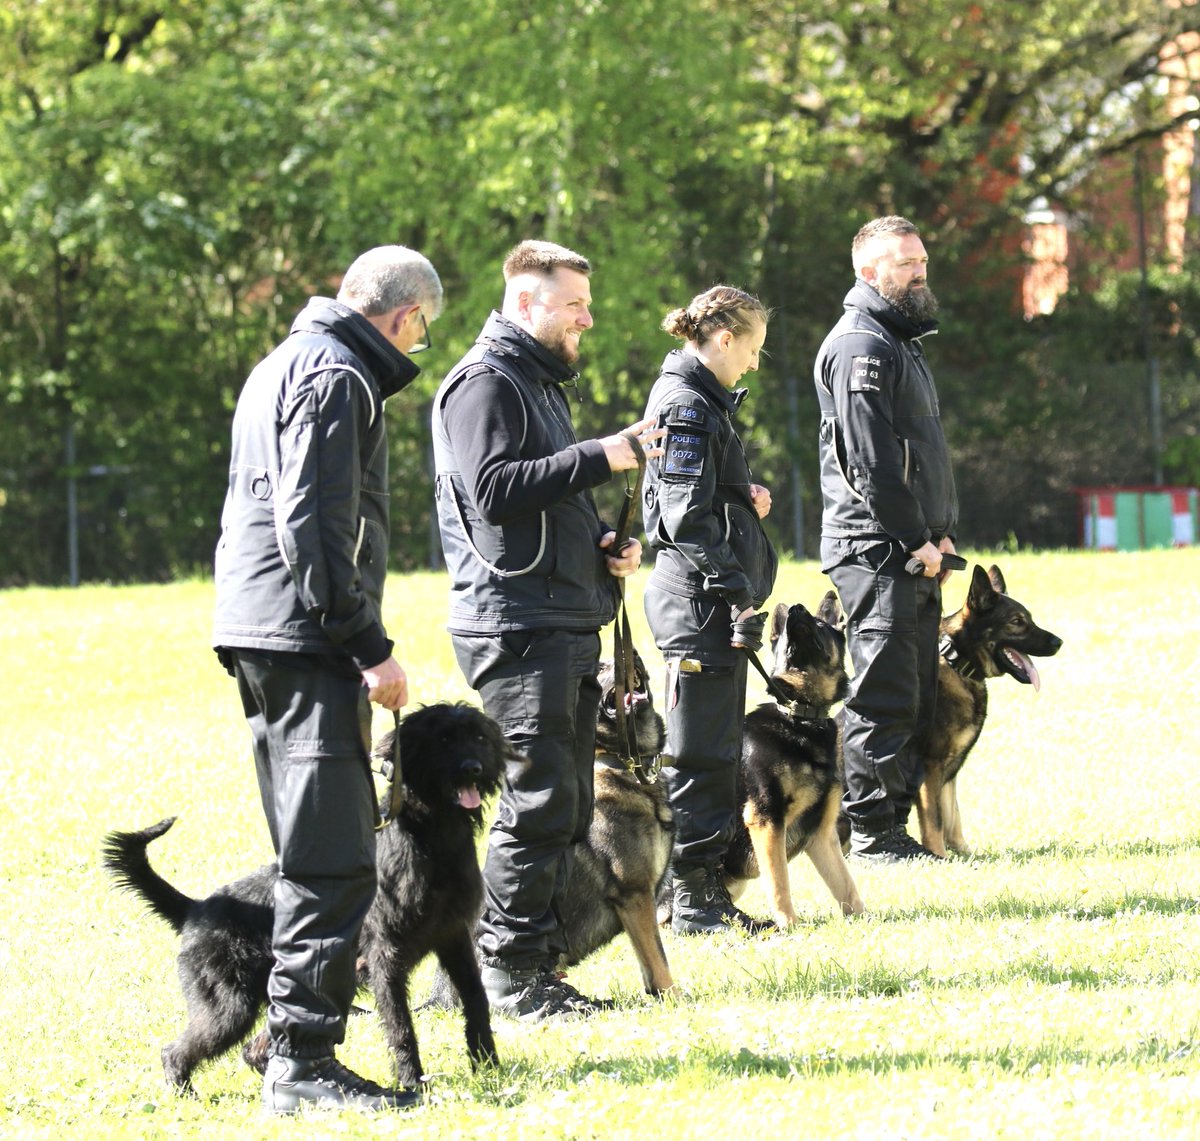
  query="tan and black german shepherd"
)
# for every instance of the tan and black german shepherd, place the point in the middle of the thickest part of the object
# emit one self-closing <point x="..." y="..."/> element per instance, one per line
<point x="992" y="635"/>
<point x="790" y="779"/>
<point x="617" y="872"/>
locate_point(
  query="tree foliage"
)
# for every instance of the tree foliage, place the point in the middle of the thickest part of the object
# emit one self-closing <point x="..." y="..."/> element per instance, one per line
<point x="174" y="180"/>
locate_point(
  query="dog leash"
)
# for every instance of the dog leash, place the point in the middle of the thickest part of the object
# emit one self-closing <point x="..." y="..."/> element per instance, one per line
<point x="624" y="655"/>
<point x="773" y="687"/>
<point x="393" y="781"/>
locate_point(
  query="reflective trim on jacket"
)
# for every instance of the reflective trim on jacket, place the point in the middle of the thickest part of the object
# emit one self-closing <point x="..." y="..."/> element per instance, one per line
<point x="699" y="518"/>
<point x="885" y="466"/>
<point x="302" y="557"/>
<point x="522" y="552"/>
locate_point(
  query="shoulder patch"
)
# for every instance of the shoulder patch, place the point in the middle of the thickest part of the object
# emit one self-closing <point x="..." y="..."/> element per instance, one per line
<point x="683" y="453"/>
<point x="865" y="373"/>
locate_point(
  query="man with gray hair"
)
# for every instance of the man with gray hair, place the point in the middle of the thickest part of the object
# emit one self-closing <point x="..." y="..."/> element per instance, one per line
<point x="299" y="575"/>
<point x="532" y="572"/>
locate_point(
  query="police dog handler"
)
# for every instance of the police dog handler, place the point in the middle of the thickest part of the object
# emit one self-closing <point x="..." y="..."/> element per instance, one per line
<point x="888" y="492"/>
<point x="533" y="579"/>
<point x="714" y="567"/>
<point x="299" y="575"/>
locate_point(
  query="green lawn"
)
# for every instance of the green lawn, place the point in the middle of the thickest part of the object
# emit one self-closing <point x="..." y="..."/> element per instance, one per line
<point x="1047" y="987"/>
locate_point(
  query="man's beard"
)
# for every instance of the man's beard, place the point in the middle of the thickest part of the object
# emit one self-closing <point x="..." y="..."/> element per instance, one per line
<point x="919" y="305"/>
<point x="550" y="336"/>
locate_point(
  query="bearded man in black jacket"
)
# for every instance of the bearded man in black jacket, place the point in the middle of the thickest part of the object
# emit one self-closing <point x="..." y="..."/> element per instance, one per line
<point x="299" y="575"/>
<point x="888" y="492"/>
<point x="532" y="582"/>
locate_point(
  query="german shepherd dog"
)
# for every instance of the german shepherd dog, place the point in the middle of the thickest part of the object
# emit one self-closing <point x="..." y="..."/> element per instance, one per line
<point x="991" y="635"/>
<point x="618" y="869"/>
<point x="790" y="779"/>
<point x="429" y="893"/>
<point x="617" y="872"/>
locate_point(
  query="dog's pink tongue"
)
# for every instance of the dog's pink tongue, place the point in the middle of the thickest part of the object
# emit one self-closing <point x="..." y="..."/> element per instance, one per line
<point x="469" y="797"/>
<point x="1031" y="670"/>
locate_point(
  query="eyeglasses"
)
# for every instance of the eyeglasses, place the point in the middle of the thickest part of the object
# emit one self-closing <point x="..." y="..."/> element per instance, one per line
<point x="423" y="342"/>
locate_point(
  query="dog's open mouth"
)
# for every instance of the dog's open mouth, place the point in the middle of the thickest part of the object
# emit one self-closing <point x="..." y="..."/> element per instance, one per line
<point x="633" y="701"/>
<point x="468" y="797"/>
<point x="1021" y="667"/>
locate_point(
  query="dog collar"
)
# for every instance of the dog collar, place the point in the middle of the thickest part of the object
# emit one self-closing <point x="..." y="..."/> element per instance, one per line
<point x="961" y="665"/>
<point x="803" y="710"/>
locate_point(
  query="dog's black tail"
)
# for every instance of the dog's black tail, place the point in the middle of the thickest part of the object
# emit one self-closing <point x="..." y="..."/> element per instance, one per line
<point x="126" y="861"/>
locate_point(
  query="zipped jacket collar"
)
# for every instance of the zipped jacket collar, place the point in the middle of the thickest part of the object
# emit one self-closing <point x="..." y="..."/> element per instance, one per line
<point x="507" y="339"/>
<point x="867" y="299"/>
<point x="324" y="316"/>
<point x="695" y="372"/>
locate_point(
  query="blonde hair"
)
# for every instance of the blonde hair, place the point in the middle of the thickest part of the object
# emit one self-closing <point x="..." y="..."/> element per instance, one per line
<point x="722" y="307"/>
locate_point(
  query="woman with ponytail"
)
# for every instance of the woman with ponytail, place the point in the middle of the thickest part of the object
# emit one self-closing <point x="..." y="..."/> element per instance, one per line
<point x="714" y="568"/>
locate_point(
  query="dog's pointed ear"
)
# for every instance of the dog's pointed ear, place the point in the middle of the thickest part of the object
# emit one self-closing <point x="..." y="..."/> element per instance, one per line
<point x="982" y="595"/>
<point x="778" y="621"/>
<point x="997" y="579"/>
<point x="830" y="611"/>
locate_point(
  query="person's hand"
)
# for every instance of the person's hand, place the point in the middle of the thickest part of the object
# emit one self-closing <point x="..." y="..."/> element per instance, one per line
<point x="930" y="558"/>
<point x="619" y="451"/>
<point x="761" y="498"/>
<point x="387" y="685"/>
<point x="748" y="630"/>
<point x="625" y="561"/>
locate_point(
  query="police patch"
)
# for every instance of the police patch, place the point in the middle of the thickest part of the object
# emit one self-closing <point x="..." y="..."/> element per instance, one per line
<point x="865" y="374"/>
<point x="683" y="454"/>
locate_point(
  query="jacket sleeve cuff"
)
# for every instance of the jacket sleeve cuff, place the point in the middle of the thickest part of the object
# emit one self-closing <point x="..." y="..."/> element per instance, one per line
<point x="595" y="462"/>
<point x="742" y="599"/>
<point x="369" y="648"/>
<point x="916" y="544"/>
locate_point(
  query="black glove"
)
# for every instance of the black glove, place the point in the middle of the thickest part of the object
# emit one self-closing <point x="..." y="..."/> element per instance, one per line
<point x="748" y="632"/>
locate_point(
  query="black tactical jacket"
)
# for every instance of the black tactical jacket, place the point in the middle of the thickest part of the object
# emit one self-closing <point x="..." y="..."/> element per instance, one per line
<point x="885" y="467"/>
<point x="699" y="518"/>
<point x="518" y="523"/>
<point x="304" y="534"/>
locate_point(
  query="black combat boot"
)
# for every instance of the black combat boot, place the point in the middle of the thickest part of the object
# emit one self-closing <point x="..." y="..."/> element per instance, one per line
<point x="700" y="904"/>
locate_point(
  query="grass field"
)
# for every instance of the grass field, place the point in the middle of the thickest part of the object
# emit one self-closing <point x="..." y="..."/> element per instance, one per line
<point x="1047" y="987"/>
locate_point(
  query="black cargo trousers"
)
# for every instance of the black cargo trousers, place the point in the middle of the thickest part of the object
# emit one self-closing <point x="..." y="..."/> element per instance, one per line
<point x="310" y="721"/>
<point x="893" y="621"/>
<point x="704" y="713"/>
<point x="540" y="687"/>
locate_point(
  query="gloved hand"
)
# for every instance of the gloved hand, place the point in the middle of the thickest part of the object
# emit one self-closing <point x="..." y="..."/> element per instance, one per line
<point x="748" y="632"/>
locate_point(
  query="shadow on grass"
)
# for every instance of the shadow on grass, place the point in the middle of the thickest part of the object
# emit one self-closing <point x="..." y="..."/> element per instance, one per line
<point x="1013" y="907"/>
<point x="706" y="1064"/>
<point x="784" y="981"/>
<point x="1069" y="850"/>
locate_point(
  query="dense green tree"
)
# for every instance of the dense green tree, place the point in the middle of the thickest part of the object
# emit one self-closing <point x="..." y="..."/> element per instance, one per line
<point x="175" y="179"/>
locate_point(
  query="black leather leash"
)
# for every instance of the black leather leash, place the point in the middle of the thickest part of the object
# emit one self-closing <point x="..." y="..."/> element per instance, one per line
<point x="393" y="781"/>
<point x="950" y="562"/>
<point x="773" y="687"/>
<point x="624" y="655"/>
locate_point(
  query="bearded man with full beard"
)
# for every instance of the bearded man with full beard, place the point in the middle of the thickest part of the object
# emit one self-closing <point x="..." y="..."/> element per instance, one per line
<point x="888" y="495"/>
<point x="533" y="575"/>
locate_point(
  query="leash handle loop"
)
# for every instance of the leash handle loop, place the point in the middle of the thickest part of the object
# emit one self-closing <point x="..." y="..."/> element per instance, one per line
<point x="393" y="780"/>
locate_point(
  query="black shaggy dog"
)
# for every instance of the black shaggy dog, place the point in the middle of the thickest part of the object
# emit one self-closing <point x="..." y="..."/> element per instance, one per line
<point x="430" y="891"/>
